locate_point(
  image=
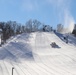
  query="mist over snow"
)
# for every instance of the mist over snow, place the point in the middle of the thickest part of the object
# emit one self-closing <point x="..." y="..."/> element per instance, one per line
<point x="62" y="8"/>
<point x="69" y="21"/>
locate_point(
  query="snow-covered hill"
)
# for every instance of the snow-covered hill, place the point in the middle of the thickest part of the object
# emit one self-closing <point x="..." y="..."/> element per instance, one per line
<point x="32" y="54"/>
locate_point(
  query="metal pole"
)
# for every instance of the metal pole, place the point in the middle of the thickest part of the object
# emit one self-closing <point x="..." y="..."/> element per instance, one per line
<point x="12" y="70"/>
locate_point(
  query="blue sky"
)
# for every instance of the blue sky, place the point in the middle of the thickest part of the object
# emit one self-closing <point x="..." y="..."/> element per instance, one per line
<point x="51" y="12"/>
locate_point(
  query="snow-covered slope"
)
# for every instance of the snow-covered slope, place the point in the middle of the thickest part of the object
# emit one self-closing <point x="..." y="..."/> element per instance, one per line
<point x="71" y="38"/>
<point x="31" y="54"/>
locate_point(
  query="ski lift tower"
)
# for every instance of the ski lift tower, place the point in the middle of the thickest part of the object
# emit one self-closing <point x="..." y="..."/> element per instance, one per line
<point x="0" y="36"/>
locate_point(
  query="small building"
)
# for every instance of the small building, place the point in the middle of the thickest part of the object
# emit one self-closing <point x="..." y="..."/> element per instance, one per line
<point x="75" y="27"/>
<point x="0" y="35"/>
<point x="74" y="30"/>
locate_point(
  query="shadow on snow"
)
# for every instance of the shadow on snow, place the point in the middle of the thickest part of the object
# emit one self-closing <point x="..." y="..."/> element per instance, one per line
<point x="16" y="51"/>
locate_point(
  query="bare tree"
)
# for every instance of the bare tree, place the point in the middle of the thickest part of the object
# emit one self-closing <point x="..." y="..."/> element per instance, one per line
<point x="29" y="25"/>
<point x="59" y="27"/>
<point x="36" y="25"/>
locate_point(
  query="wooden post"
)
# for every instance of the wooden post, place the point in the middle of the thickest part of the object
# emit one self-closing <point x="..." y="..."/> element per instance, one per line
<point x="12" y="70"/>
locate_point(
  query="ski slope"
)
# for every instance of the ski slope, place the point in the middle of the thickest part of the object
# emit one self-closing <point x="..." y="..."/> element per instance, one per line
<point x="31" y="54"/>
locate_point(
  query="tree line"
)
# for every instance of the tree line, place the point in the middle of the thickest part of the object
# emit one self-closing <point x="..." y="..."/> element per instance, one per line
<point x="12" y="28"/>
<point x="60" y="28"/>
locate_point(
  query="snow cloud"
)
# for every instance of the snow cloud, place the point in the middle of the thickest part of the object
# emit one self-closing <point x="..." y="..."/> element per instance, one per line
<point x="64" y="14"/>
<point x="69" y="21"/>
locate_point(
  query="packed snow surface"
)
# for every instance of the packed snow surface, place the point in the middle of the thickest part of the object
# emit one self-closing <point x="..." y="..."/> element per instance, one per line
<point x="32" y="54"/>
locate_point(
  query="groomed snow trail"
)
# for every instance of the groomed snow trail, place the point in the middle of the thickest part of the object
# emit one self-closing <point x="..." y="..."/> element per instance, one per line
<point x="31" y="54"/>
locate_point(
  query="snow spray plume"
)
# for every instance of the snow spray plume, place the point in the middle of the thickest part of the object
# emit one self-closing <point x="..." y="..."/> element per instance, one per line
<point x="68" y="22"/>
<point x="68" y="18"/>
<point x="65" y="17"/>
